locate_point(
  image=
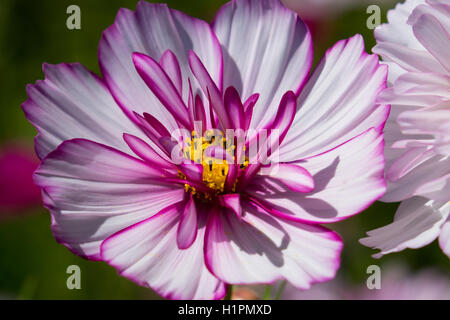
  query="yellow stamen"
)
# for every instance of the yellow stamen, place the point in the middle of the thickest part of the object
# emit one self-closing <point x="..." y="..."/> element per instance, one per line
<point x="215" y="171"/>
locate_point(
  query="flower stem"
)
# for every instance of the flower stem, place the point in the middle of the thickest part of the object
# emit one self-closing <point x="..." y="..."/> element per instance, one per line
<point x="267" y="293"/>
<point x="229" y="292"/>
<point x="280" y="290"/>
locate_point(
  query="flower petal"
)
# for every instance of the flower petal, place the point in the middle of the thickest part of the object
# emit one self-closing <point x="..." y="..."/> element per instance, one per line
<point x="417" y="223"/>
<point x="147" y="254"/>
<point x="397" y="43"/>
<point x="436" y="189"/>
<point x="444" y="238"/>
<point x="162" y="87"/>
<point x="234" y="108"/>
<point x="269" y="139"/>
<point x="434" y="38"/>
<point x="262" y="249"/>
<point x="249" y="104"/>
<point x="295" y="177"/>
<point x="434" y="169"/>
<point x="338" y="102"/>
<point x="233" y="202"/>
<point x="187" y="228"/>
<point x="398" y="30"/>
<point x="278" y="52"/>
<point x="417" y="89"/>
<point x="73" y="103"/>
<point x="347" y="179"/>
<point x="193" y="171"/>
<point x="93" y="191"/>
<point x="433" y="120"/>
<point x="169" y="63"/>
<point x="412" y="158"/>
<point x="284" y="116"/>
<point x="146" y="152"/>
<point x="152" y="30"/>
<point x="210" y="89"/>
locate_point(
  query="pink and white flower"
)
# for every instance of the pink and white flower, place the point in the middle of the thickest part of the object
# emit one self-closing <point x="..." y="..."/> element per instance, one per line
<point x="415" y="45"/>
<point x="185" y="229"/>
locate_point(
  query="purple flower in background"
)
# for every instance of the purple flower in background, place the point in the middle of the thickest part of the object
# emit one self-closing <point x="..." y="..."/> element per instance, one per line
<point x="415" y="44"/>
<point x="17" y="190"/>
<point x="186" y="223"/>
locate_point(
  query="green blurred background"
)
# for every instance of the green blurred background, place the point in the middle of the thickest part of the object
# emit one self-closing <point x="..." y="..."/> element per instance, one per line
<point x="32" y="264"/>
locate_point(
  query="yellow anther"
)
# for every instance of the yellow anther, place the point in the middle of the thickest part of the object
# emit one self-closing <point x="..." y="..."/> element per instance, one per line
<point x="215" y="171"/>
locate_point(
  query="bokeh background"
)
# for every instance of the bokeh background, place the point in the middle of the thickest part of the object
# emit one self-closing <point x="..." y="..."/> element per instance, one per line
<point x="32" y="264"/>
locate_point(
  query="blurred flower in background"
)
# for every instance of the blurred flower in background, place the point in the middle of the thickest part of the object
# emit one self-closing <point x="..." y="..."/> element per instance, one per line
<point x="18" y="193"/>
<point x="415" y="44"/>
<point x="397" y="283"/>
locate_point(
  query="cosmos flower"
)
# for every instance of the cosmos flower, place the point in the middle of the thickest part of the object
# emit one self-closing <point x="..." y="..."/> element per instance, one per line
<point x="186" y="217"/>
<point x="415" y="44"/>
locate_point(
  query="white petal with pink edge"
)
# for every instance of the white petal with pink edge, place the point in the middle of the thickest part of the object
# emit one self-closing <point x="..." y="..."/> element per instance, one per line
<point x="262" y="249"/>
<point x="278" y="52"/>
<point x="152" y="30"/>
<point x="347" y="179"/>
<point x="338" y="102"/>
<point x="188" y="225"/>
<point x="74" y="103"/>
<point x="93" y="191"/>
<point x="147" y="254"/>
<point x="293" y="176"/>
<point x="417" y="223"/>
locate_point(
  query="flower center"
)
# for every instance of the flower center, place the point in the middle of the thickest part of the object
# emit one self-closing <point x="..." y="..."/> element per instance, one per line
<point x="215" y="170"/>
